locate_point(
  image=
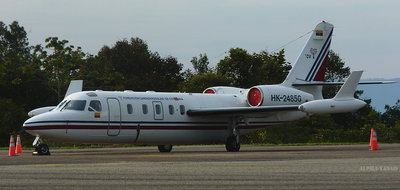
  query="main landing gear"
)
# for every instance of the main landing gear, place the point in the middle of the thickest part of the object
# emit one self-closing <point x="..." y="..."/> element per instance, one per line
<point x="233" y="142"/>
<point x="165" y="148"/>
<point x="41" y="149"/>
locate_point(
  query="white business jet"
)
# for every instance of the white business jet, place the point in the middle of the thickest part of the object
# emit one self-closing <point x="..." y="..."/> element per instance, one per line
<point x="219" y="114"/>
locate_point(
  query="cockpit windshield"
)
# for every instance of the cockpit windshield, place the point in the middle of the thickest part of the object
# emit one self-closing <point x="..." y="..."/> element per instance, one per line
<point x="78" y="105"/>
<point x="60" y="105"/>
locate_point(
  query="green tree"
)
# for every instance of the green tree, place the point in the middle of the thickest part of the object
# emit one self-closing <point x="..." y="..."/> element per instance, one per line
<point x="274" y="67"/>
<point x="240" y="68"/>
<point x="60" y="61"/>
<point x="246" y="70"/>
<point x="23" y="85"/>
<point x="11" y="117"/>
<point x="335" y="71"/>
<point x="20" y="76"/>
<point x="131" y="65"/>
<point x="199" y="82"/>
<point x="391" y="116"/>
<point x="200" y="64"/>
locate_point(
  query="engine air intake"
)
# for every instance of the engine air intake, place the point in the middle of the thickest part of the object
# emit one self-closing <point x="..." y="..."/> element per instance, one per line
<point x="254" y="97"/>
<point x="209" y="91"/>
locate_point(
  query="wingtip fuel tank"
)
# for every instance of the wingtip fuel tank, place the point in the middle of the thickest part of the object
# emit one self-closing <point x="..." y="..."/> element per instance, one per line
<point x="332" y="106"/>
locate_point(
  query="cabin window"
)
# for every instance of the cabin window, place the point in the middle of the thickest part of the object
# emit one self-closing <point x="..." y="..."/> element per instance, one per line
<point x="171" y="109"/>
<point x="78" y="105"/>
<point x="182" y="109"/>
<point x="158" y="109"/>
<point x="129" y="108"/>
<point x="144" y="108"/>
<point x="94" y="105"/>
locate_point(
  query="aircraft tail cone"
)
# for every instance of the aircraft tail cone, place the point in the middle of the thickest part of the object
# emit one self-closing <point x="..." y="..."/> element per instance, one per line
<point x="11" y="151"/>
<point x="373" y="142"/>
<point x="18" y="148"/>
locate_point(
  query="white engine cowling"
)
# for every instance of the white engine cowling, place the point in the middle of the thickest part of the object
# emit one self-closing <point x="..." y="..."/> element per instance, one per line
<point x="224" y="90"/>
<point x="272" y="95"/>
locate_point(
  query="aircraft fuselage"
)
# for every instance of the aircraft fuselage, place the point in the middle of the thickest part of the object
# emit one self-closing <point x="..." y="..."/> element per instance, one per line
<point x="146" y="118"/>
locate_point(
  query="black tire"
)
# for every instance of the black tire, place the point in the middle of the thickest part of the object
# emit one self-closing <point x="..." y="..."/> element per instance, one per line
<point x="42" y="149"/>
<point x="165" y="148"/>
<point x="232" y="145"/>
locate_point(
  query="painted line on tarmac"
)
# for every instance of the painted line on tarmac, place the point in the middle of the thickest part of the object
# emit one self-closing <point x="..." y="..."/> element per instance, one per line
<point x="236" y="163"/>
<point x="93" y="164"/>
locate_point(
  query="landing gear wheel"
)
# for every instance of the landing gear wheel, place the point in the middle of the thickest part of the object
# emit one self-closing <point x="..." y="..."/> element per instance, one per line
<point x="232" y="145"/>
<point x="165" y="148"/>
<point x="42" y="149"/>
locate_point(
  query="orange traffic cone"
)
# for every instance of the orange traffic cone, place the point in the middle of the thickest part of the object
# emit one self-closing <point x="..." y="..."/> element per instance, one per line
<point x="18" y="148"/>
<point x="370" y="137"/>
<point x="11" y="151"/>
<point x="373" y="142"/>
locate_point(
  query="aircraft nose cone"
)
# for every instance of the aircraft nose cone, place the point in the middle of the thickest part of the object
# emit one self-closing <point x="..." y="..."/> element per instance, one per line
<point x="28" y="123"/>
<point x="27" y="126"/>
<point x="301" y="108"/>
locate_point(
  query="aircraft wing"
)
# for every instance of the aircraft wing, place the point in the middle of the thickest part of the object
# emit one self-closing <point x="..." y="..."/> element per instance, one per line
<point x="240" y="110"/>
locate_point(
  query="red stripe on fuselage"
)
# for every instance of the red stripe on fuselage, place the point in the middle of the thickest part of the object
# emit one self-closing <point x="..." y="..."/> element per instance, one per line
<point x="105" y="127"/>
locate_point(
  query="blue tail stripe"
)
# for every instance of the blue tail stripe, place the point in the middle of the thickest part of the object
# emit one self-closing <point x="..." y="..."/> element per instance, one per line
<point x="320" y="61"/>
<point x="318" y="57"/>
<point x="308" y="78"/>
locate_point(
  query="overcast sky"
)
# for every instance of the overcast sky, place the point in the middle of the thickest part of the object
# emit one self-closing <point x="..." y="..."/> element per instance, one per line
<point x="364" y="36"/>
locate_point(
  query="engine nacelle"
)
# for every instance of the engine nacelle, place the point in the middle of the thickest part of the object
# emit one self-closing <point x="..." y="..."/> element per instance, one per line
<point x="271" y="95"/>
<point x="224" y="90"/>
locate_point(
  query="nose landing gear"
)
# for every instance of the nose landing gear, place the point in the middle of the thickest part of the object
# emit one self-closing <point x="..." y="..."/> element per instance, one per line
<point x="41" y="149"/>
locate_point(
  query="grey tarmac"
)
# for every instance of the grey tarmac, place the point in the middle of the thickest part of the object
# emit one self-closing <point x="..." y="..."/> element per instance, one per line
<point x="206" y="167"/>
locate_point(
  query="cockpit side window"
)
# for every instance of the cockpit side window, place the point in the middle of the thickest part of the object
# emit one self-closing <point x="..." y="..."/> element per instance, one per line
<point x="78" y="105"/>
<point x="94" y="105"/>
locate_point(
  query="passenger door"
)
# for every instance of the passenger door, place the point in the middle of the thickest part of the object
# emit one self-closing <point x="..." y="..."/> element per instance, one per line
<point x="114" y="117"/>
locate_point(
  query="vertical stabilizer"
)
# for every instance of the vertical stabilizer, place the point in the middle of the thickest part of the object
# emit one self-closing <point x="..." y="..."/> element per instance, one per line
<point x="310" y="64"/>
<point x="74" y="86"/>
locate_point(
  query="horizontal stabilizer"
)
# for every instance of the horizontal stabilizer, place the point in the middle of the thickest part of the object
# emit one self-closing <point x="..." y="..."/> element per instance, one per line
<point x="313" y="83"/>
